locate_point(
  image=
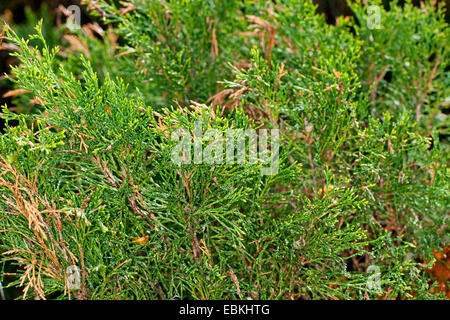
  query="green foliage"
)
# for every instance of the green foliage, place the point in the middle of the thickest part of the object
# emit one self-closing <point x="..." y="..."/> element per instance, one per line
<point x="414" y="56"/>
<point x="88" y="180"/>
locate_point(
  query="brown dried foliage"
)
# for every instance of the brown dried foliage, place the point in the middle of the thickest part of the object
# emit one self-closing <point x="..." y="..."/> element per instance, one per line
<point x="48" y="253"/>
